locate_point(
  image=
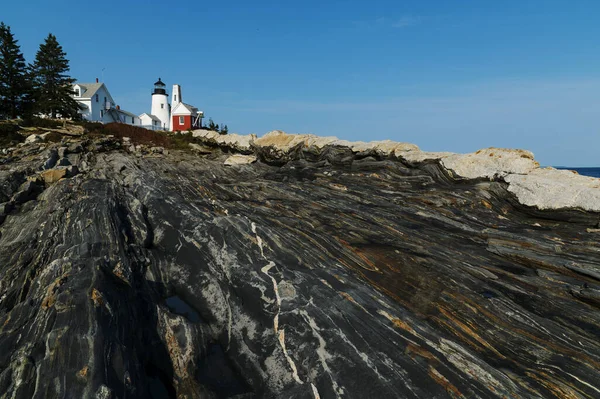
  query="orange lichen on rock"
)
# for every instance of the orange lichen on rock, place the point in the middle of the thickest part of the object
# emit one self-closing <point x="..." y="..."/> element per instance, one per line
<point x="397" y="322"/>
<point x="559" y="391"/>
<point x="349" y="298"/>
<point x="440" y="379"/>
<point x="50" y="298"/>
<point x="83" y="373"/>
<point x="97" y="297"/>
<point x="414" y="350"/>
<point x="468" y="330"/>
<point x="53" y="175"/>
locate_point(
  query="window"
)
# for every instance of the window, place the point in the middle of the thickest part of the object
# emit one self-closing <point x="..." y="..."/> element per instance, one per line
<point x="181" y="120"/>
<point x="132" y="120"/>
<point x="175" y="97"/>
<point x="101" y="113"/>
<point x="97" y="98"/>
<point x="104" y="100"/>
<point x="162" y="105"/>
<point x="76" y="92"/>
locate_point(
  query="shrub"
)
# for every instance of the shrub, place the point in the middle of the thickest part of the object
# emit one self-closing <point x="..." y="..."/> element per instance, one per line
<point x="91" y="127"/>
<point x="41" y="122"/>
<point x="8" y="128"/>
<point x="181" y="141"/>
<point x="138" y="135"/>
<point x="9" y="135"/>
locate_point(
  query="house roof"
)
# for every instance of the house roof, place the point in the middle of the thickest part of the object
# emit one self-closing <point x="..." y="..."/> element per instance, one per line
<point x="122" y="111"/>
<point x="154" y="118"/>
<point x="184" y="109"/>
<point x="88" y="89"/>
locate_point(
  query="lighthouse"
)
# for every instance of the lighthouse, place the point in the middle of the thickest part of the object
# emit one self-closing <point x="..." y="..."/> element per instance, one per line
<point x="160" y="105"/>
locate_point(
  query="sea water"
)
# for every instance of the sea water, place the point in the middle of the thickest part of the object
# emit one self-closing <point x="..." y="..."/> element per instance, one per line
<point x="593" y="172"/>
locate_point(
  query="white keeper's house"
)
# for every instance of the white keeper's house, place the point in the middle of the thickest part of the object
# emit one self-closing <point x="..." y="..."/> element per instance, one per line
<point x="99" y="106"/>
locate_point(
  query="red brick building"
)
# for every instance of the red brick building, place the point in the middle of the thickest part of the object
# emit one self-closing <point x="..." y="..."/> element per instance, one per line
<point x="184" y="116"/>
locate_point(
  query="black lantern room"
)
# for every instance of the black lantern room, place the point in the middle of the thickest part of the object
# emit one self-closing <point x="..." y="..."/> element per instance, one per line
<point x="159" y="87"/>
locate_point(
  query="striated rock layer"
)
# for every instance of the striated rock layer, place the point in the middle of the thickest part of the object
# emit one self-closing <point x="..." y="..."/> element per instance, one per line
<point x="322" y="270"/>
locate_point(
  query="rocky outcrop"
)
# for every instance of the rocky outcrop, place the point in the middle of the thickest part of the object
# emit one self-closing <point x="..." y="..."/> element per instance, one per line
<point x="502" y="164"/>
<point x="549" y="188"/>
<point x="234" y="142"/>
<point x="239" y="159"/>
<point x="490" y="163"/>
<point x="321" y="270"/>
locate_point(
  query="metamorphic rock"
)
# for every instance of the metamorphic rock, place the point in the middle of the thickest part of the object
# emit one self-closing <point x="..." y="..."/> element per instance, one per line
<point x="294" y="266"/>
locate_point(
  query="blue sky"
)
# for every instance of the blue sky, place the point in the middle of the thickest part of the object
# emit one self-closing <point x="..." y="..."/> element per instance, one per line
<point x="445" y="75"/>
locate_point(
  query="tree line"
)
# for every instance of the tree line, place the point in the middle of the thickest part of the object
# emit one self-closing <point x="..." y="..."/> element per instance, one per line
<point x="43" y="87"/>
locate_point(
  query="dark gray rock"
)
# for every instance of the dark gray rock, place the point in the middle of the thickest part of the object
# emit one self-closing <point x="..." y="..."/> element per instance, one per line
<point x="322" y="274"/>
<point x="75" y="148"/>
<point x="52" y="158"/>
<point x="6" y="207"/>
<point x="27" y="192"/>
<point x="72" y="170"/>
<point x="63" y="162"/>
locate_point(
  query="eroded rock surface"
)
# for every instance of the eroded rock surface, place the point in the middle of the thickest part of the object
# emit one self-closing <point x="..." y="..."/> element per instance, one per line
<point x="319" y="271"/>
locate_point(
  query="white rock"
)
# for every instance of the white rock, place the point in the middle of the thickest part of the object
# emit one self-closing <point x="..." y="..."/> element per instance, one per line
<point x="34" y="138"/>
<point x="241" y="142"/>
<point x="239" y="159"/>
<point x="208" y="134"/>
<point x="285" y="142"/>
<point x="282" y="141"/>
<point x="550" y="188"/>
<point x="385" y="147"/>
<point x="235" y="141"/>
<point x="417" y="157"/>
<point x="490" y="163"/>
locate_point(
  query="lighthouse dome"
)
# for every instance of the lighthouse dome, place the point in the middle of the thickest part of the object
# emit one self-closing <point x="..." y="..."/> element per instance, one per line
<point x="159" y="87"/>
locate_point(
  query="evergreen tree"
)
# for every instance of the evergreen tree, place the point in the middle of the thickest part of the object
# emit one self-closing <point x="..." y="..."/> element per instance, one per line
<point x="14" y="84"/>
<point x="53" y="87"/>
<point x="224" y="129"/>
<point x="211" y="124"/>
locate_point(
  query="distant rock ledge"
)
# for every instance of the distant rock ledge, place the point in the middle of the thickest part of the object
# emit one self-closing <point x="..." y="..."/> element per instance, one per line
<point x="543" y="188"/>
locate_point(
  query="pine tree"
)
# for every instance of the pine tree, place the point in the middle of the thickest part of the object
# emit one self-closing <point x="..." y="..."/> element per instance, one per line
<point x="224" y="129"/>
<point x="14" y="84"/>
<point x="52" y="86"/>
<point x="211" y="124"/>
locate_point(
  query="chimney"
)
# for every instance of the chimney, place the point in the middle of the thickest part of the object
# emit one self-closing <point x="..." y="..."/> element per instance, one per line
<point x="176" y="99"/>
<point x="118" y="107"/>
<point x="96" y="80"/>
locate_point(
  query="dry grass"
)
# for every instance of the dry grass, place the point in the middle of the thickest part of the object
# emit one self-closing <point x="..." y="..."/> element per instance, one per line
<point x="139" y="135"/>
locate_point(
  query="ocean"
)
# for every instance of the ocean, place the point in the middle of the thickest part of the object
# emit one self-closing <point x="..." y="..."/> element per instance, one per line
<point x="594" y="172"/>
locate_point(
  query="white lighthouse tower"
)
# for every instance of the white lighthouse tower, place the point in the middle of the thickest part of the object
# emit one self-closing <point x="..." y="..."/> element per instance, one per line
<point x="160" y="105"/>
